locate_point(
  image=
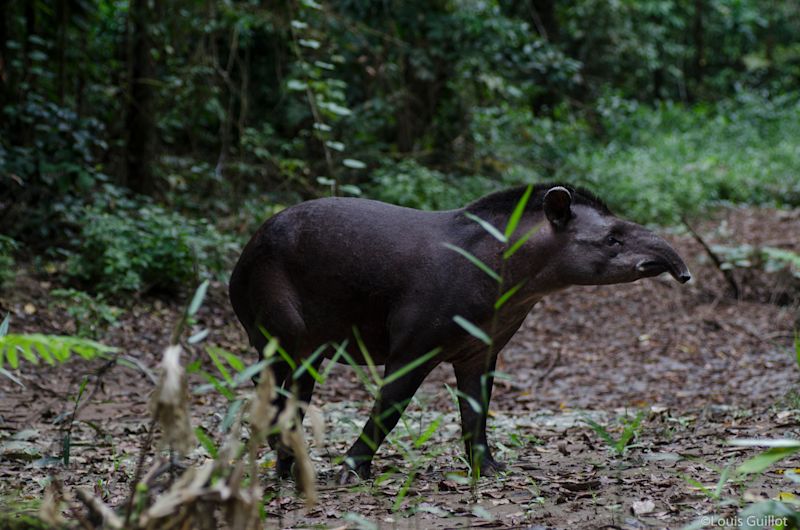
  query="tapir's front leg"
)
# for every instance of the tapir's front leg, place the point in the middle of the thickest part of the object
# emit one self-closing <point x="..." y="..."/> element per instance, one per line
<point x="475" y="381"/>
<point x="392" y="400"/>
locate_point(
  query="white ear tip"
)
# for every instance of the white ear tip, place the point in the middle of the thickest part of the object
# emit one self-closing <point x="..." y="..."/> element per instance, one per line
<point x="559" y="189"/>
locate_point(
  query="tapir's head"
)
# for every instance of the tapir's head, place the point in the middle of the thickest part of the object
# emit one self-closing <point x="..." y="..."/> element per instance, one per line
<point x="592" y="246"/>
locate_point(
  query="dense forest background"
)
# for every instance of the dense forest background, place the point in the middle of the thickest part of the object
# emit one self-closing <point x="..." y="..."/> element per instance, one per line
<point x="142" y="141"/>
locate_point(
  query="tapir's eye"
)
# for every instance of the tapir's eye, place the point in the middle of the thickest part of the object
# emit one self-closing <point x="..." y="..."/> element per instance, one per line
<point x="613" y="241"/>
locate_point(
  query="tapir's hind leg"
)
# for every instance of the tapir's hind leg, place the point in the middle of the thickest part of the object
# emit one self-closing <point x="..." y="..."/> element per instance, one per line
<point x="284" y="322"/>
<point x="303" y="389"/>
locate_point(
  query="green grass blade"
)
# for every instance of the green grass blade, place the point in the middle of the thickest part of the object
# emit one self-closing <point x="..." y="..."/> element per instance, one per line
<point x="234" y="361"/>
<point x="425" y="436"/>
<point x="401" y="494"/>
<point x="761" y="462"/>
<point x="521" y="241"/>
<point x="796" y="347"/>
<point x="508" y="294"/>
<point x="333" y="360"/>
<point x="473" y="330"/>
<point x="373" y="370"/>
<point x="475" y="261"/>
<point x="600" y="431"/>
<point x="4" y="325"/>
<point x="360" y="373"/>
<point x="213" y="352"/>
<point x="486" y="225"/>
<point x="516" y="215"/>
<point x="11" y="355"/>
<point x="411" y="366"/>
<point x="307" y="364"/>
<point x="206" y="441"/>
<point x="723" y="479"/>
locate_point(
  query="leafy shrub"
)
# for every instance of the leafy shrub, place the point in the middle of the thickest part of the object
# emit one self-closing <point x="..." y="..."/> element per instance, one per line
<point x="50" y="348"/>
<point x="91" y="314"/>
<point x="141" y="247"/>
<point x="411" y="184"/>
<point x="674" y="161"/>
<point x="58" y="163"/>
<point x="7" y="248"/>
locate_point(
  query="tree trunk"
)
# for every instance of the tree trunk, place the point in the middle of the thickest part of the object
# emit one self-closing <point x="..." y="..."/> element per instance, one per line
<point x="543" y="16"/>
<point x="5" y="8"/>
<point x="698" y="36"/>
<point x="140" y="120"/>
<point x="63" y="22"/>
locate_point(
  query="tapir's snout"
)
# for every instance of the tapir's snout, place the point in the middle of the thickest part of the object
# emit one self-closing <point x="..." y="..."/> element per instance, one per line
<point x="663" y="258"/>
<point x="655" y="267"/>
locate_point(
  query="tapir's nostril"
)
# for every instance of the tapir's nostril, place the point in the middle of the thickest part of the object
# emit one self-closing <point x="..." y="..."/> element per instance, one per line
<point x="684" y="277"/>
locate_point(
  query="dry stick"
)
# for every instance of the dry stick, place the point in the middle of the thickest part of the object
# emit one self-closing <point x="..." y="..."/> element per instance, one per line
<point x="551" y="366"/>
<point x="727" y="274"/>
<point x="138" y="474"/>
<point x="81" y="404"/>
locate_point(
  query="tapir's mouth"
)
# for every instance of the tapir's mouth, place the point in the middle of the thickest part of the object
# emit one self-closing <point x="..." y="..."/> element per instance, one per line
<point x="652" y="268"/>
<point x="655" y="267"/>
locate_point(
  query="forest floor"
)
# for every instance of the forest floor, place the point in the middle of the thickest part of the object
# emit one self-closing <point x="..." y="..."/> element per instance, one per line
<point x="697" y="367"/>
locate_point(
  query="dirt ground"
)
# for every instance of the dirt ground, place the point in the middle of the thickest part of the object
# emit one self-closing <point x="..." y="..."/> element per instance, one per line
<point x="697" y="366"/>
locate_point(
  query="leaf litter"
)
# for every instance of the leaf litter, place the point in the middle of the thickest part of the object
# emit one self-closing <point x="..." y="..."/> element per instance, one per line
<point x="701" y="367"/>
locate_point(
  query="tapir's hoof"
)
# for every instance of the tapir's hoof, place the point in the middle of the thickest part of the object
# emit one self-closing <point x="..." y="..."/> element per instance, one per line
<point x="491" y="467"/>
<point x="349" y="475"/>
<point x="283" y="467"/>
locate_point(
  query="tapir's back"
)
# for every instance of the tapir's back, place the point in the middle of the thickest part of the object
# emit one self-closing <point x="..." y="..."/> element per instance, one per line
<point x="365" y="238"/>
<point x="339" y="255"/>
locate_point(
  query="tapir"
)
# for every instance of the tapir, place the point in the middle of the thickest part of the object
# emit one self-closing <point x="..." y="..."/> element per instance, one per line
<point x="403" y="283"/>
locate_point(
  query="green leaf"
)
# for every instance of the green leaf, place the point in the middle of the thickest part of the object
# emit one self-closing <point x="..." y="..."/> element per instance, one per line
<point x="475" y="261"/>
<point x="296" y="86"/>
<point x="336" y="146"/>
<point x="206" y="441"/>
<point x="486" y="225"/>
<point x="249" y="372"/>
<point x="600" y="430"/>
<point x="473" y="330"/>
<point x="760" y="462"/>
<point x="234" y="361"/>
<point x="230" y="415"/>
<point x="351" y="189"/>
<point x="516" y="215"/>
<point x="199" y="336"/>
<point x="4" y="326"/>
<point x="197" y="299"/>
<point x="309" y="43"/>
<point x="335" y="108"/>
<point x="353" y="163"/>
<point x="754" y="516"/>
<point x="755" y="442"/>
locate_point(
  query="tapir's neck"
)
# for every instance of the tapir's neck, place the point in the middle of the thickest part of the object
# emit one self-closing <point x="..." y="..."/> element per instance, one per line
<point x="531" y="264"/>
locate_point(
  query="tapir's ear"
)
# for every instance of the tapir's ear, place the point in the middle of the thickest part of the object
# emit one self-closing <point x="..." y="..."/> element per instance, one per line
<point x="557" y="202"/>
